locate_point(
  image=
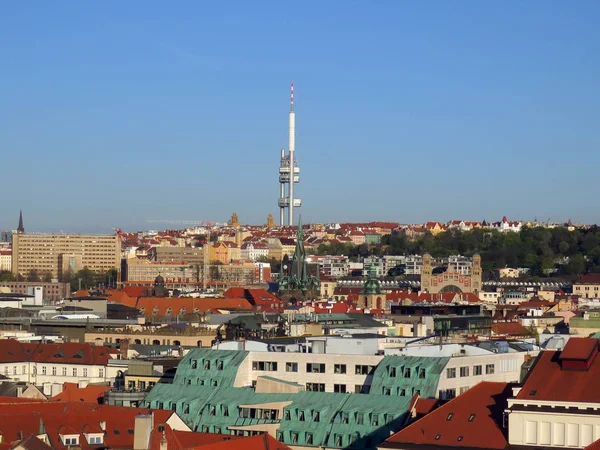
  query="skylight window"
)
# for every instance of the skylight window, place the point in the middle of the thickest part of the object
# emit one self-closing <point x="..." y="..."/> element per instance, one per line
<point x="449" y="418"/>
<point x="533" y="392"/>
<point x="471" y="417"/>
<point x="460" y="438"/>
<point x="437" y="438"/>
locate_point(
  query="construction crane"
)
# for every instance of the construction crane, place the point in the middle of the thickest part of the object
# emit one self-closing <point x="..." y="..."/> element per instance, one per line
<point x="205" y="250"/>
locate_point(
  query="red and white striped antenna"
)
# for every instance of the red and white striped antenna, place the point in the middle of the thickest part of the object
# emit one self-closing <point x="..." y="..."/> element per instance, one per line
<point x="292" y="98"/>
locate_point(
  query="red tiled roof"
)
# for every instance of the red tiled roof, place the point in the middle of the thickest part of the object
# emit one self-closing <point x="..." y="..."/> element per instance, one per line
<point x="590" y="278"/>
<point x="509" y="329"/>
<point x="471" y="420"/>
<point x="548" y="380"/>
<point x="184" y="440"/>
<point x="581" y="348"/>
<point x="259" y="442"/>
<point x="89" y="394"/>
<point x="66" y="353"/>
<point x="593" y="446"/>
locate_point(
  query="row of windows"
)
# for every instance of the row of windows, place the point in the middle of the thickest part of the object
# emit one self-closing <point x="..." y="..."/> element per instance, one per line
<point x="53" y="370"/>
<point x="406" y="372"/>
<point x="490" y="369"/>
<point x="218" y="364"/>
<point x="340" y="369"/>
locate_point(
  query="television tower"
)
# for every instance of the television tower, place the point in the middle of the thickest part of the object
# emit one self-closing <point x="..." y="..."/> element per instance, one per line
<point x="289" y="172"/>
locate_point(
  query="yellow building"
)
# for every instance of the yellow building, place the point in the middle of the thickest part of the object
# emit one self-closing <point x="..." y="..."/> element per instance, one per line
<point x="219" y="252"/>
<point x="588" y="286"/>
<point x="58" y="253"/>
<point x="279" y="247"/>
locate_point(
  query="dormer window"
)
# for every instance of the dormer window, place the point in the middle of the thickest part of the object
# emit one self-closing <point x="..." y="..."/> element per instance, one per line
<point x="70" y="439"/>
<point x="95" y="438"/>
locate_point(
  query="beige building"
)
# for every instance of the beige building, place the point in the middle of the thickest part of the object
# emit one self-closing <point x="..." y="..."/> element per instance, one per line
<point x="172" y="272"/>
<point x="192" y="255"/>
<point x="588" y="286"/>
<point x="57" y="253"/>
<point x="5" y="259"/>
<point x="279" y="247"/>
<point x="50" y="291"/>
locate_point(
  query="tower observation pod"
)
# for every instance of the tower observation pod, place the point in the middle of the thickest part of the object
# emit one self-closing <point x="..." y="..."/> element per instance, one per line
<point x="289" y="172"/>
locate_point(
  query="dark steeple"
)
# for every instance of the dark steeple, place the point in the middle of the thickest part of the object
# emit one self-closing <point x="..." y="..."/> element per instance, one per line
<point x="20" y="228"/>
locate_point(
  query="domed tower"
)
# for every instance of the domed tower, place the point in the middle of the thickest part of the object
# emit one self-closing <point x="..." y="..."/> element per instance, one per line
<point x="159" y="287"/>
<point x="370" y="297"/>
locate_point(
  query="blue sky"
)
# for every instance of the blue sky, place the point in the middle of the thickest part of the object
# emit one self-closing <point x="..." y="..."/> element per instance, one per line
<point x="115" y="112"/>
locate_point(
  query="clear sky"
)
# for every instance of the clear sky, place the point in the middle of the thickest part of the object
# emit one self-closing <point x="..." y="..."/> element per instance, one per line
<point x="113" y="112"/>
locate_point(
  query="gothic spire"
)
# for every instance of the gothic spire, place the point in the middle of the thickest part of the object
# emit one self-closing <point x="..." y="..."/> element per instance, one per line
<point x="20" y="228"/>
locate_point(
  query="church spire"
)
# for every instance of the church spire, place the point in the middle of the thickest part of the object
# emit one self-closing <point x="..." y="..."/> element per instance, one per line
<point x="20" y="228"/>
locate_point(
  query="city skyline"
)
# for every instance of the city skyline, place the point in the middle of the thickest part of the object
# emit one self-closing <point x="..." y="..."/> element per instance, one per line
<point x="405" y="113"/>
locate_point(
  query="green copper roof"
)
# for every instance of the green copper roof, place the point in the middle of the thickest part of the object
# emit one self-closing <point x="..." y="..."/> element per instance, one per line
<point x="372" y="283"/>
<point x="405" y="376"/>
<point x="323" y="418"/>
<point x="207" y="367"/>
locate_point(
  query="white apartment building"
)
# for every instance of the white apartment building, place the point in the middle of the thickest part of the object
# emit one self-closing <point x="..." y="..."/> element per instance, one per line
<point x="356" y="373"/>
<point x="253" y="251"/>
<point x="54" y="363"/>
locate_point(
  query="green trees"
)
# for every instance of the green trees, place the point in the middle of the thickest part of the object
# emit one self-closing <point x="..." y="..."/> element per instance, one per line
<point x="6" y="275"/>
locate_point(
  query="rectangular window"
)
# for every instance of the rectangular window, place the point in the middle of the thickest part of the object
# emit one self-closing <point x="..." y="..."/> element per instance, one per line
<point x="449" y="394"/>
<point x="489" y="369"/>
<point x="291" y="367"/>
<point x="477" y="370"/>
<point x="464" y="389"/>
<point x="64" y="371"/>
<point x="363" y="370"/>
<point x="101" y="373"/>
<point x="85" y="372"/>
<point x="43" y="370"/>
<point x="270" y="366"/>
<point x="315" y="387"/>
<point x="421" y="373"/>
<point x="451" y="372"/>
<point x="339" y="368"/>
<point x="74" y="371"/>
<point x="194" y="364"/>
<point x="407" y="372"/>
<point x="309" y="438"/>
<point x="341" y="388"/>
<point x="464" y="371"/>
<point x="392" y="372"/>
<point x="315" y="368"/>
<point x="53" y="370"/>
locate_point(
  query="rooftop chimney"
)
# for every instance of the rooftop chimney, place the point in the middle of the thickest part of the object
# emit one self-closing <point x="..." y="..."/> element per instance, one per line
<point x="144" y="423"/>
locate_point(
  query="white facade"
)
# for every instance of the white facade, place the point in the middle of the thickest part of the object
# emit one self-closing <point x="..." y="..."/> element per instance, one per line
<point x="6" y="260"/>
<point x="491" y="298"/>
<point x="549" y="426"/>
<point x="253" y="252"/>
<point x="464" y="372"/>
<point x="349" y="373"/>
<point x="40" y="373"/>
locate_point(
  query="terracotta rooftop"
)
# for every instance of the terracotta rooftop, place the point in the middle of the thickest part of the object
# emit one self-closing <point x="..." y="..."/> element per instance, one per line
<point x="471" y="420"/>
<point x="550" y="380"/>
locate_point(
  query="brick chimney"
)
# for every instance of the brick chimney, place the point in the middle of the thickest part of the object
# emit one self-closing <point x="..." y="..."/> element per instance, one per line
<point x="124" y="348"/>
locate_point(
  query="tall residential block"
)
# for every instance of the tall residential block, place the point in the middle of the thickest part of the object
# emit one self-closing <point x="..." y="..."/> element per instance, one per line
<point x="58" y="254"/>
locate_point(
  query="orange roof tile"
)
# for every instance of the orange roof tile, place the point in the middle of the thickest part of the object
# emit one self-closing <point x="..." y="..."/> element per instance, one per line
<point x="471" y="420"/>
